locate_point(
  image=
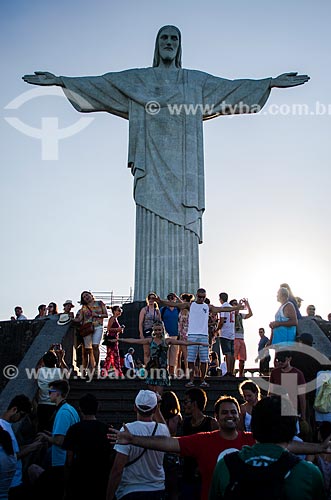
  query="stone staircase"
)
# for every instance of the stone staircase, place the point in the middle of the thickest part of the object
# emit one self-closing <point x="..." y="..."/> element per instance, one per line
<point x="116" y="397"/>
<point x="24" y="342"/>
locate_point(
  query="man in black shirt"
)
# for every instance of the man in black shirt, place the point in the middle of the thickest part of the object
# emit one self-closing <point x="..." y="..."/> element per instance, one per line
<point x="88" y="454"/>
<point x="194" y="403"/>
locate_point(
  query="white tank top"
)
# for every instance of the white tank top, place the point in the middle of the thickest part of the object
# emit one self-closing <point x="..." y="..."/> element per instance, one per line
<point x="227" y="331"/>
<point x="198" y="319"/>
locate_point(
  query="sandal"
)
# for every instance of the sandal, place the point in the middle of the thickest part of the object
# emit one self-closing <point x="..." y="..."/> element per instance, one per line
<point x="189" y="384"/>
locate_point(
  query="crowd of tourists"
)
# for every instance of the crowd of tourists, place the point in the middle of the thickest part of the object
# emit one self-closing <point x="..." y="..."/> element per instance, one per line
<point x="171" y="451"/>
<point x="183" y="335"/>
<point x="174" y="450"/>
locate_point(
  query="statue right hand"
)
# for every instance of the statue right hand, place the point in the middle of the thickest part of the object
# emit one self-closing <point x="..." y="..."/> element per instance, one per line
<point x="43" y="78"/>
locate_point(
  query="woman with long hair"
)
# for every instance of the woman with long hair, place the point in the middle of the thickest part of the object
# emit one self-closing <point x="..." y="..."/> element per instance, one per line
<point x="171" y="412"/>
<point x="52" y="309"/>
<point x="157" y="367"/>
<point x="92" y="311"/>
<point x="147" y="316"/>
<point x="252" y="395"/>
<point x="114" y="329"/>
<point x="213" y="364"/>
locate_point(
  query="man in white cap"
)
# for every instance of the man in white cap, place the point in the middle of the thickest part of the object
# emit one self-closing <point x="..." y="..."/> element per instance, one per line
<point x="138" y="473"/>
<point x="67" y="306"/>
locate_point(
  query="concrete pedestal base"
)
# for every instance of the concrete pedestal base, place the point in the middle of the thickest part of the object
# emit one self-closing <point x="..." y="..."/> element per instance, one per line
<point x="130" y="318"/>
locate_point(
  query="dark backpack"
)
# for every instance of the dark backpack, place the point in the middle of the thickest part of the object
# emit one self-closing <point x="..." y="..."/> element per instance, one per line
<point x="252" y="482"/>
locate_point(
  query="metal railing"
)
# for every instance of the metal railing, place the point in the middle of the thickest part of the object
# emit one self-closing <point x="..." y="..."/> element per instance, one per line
<point x="110" y="299"/>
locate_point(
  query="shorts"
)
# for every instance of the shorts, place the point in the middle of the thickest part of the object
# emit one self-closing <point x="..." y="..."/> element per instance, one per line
<point x="193" y="350"/>
<point x="227" y="346"/>
<point x="95" y="338"/>
<point x="240" y="350"/>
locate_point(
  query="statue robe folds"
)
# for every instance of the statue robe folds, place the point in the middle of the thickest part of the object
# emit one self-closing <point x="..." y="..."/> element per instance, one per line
<point x="165" y="109"/>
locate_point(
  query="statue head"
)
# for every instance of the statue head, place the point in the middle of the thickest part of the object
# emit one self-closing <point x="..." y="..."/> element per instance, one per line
<point x="168" y="53"/>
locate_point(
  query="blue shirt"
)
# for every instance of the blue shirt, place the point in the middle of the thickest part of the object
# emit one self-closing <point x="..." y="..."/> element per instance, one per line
<point x="263" y="342"/>
<point x="65" y="417"/>
<point x="170" y="320"/>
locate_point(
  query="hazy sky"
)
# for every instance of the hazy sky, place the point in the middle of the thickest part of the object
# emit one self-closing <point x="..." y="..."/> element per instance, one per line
<point x="68" y="224"/>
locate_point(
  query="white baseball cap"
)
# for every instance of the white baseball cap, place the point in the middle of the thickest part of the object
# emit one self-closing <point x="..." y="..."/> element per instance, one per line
<point x="146" y="401"/>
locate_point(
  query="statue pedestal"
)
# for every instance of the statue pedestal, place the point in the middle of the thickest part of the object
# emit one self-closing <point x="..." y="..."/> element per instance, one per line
<point x="130" y="318"/>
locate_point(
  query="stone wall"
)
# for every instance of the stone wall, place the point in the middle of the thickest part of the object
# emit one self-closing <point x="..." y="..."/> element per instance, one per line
<point x="16" y="338"/>
<point x="24" y="352"/>
<point x="321" y="341"/>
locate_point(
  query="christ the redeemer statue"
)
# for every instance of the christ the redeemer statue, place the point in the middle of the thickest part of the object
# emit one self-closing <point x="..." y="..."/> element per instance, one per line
<point x="165" y="106"/>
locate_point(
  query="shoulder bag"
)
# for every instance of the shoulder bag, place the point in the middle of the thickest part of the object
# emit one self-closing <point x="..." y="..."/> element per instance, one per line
<point x="87" y="328"/>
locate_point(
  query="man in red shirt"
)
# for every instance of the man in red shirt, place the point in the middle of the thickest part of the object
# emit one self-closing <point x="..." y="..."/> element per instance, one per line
<point x="206" y="447"/>
<point x="209" y="447"/>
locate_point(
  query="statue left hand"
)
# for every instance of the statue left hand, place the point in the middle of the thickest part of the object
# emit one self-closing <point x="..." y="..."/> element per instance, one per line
<point x="289" y="80"/>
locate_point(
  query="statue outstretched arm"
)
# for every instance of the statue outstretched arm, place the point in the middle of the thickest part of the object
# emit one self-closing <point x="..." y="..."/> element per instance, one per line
<point x="288" y="80"/>
<point x="89" y="93"/>
<point x="43" y="78"/>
